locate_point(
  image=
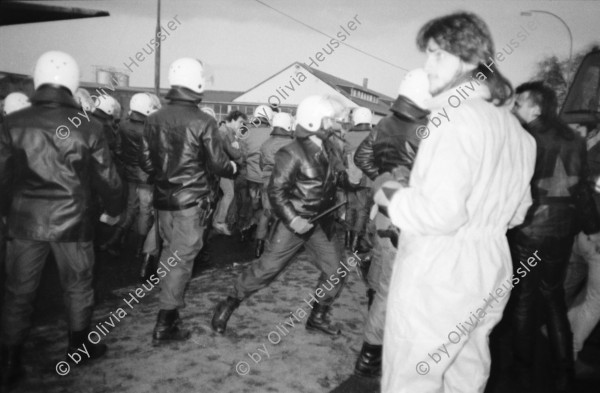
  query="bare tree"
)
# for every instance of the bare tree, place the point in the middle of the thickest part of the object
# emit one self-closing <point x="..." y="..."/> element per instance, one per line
<point x="555" y="72"/>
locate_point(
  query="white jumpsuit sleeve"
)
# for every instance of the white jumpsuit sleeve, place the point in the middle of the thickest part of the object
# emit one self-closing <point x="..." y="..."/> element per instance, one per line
<point x="435" y="203"/>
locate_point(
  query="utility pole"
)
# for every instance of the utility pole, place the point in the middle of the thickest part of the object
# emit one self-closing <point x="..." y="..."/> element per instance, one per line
<point x="157" y="54"/>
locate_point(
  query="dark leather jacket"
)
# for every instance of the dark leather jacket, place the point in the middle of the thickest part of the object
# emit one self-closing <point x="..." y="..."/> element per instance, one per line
<point x="132" y="131"/>
<point x="111" y="133"/>
<point x="305" y="179"/>
<point x="183" y="153"/>
<point x="562" y="194"/>
<point x="47" y="184"/>
<point x="393" y="142"/>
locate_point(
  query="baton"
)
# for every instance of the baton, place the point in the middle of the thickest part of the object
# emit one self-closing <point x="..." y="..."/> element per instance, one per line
<point x="326" y="212"/>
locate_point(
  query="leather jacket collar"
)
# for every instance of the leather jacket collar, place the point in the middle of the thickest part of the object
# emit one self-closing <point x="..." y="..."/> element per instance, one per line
<point x="404" y="107"/>
<point x="182" y="94"/>
<point x="278" y="131"/>
<point x="54" y="94"/>
<point x="137" y="117"/>
<point x="99" y="113"/>
<point x="361" y="127"/>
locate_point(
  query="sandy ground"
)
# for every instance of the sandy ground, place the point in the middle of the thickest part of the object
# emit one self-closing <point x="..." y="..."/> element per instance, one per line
<point x="272" y="320"/>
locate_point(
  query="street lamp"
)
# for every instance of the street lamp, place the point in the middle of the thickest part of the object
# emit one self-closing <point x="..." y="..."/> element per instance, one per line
<point x="530" y="12"/>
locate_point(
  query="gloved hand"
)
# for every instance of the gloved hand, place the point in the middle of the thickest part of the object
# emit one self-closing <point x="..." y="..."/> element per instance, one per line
<point x="108" y="220"/>
<point x="589" y="245"/>
<point x="300" y="225"/>
<point x="379" y="180"/>
<point x="597" y="185"/>
<point x="384" y="195"/>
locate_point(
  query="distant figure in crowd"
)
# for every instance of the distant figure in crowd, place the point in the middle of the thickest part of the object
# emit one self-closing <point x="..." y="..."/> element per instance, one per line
<point x="250" y="188"/>
<point x="360" y="200"/>
<point x="233" y="122"/>
<point x="139" y="197"/>
<point x="280" y="136"/>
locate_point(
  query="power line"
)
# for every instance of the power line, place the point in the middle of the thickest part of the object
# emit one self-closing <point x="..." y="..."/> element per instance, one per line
<point x="328" y="36"/>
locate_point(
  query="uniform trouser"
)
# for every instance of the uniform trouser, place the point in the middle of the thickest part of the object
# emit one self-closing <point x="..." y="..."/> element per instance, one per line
<point x="265" y="215"/>
<point x="24" y="265"/>
<point x="324" y="253"/>
<point x="182" y="237"/>
<point x="584" y="314"/>
<point x="139" y="203"/>
<point x="359" y="206"/>
<point x="542" y="287"/>
<point x="255" y="191"/>
<point x="378" y="278"/>
<point x="228" y="193"/>
<point x="2" y="242"/>
<point x="244" y="211"/>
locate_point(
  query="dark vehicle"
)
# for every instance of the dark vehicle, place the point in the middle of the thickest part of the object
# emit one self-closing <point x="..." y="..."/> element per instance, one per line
<point x="581" y="110"/>
<point x="582" y="104"/>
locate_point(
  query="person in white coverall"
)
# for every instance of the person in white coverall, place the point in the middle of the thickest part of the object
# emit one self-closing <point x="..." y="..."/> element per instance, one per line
<point x="469" y="184"/>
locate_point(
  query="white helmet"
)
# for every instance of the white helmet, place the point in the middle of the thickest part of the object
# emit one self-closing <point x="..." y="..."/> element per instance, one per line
<point x="313" y="110"/>
<point x="14" y="102"/>
<point x="188" y="73"/>
<point x="57" y="68"/>
<point x="143" y="103"/>
<point x="362" y="115"/>
<point x="209" y="111"/>
<point x="263" y="111"/>
<point x="283" y="120"/>
<point x="155" y="100"/>
<point x="109" y="105"/>
<point x="84" y="99"/>
<point x="415" y="86"/>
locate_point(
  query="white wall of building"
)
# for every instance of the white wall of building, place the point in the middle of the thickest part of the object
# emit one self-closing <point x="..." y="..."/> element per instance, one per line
<point x="289" y="87"/>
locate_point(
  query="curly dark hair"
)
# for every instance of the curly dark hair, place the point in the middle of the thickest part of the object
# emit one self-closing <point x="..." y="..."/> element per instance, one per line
<point x="467" y="36"/>
<point x="234" y="115"/>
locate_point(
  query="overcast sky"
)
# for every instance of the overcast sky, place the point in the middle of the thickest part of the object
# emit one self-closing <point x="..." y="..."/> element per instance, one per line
<point x="245" y="42"/>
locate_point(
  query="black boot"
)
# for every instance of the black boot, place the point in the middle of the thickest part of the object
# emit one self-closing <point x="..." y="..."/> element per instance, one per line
<point x="167" y="328"/>
<point x="260" y="247"/>
<point x="319" y="320"/>
<point x="10" y="364"/>
<point x="148" y="267"/>
<point x="113" y="245"/>
<point x="368" y="363"/>
<point x="80" y="338"/>
<point x="223" y="312"/>
<point x="370" y="297"/>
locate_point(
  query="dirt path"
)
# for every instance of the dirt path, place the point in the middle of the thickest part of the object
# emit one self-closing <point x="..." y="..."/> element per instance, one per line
<point x="272" y="320"/>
